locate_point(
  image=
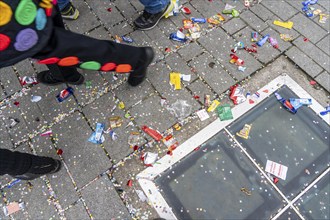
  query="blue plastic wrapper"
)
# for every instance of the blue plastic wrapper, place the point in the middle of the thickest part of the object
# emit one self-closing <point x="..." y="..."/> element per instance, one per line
<point x="263" y="40"/>
<point x="64" y="94"/>
<point x="297" y="103"/>
<point x="285" y="103"/>
<point x="178" y="36"/>
<point x="326" y="111"/>
<point x="97" y="136"/>
<point x="127" y="39"/>
<point x="198" y="20"/>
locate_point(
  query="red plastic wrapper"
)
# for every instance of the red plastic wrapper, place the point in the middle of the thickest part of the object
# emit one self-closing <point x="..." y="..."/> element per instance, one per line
<point x="152" y="133"/>
<point x="237" y="94"/>
<point x="130" y="183"/>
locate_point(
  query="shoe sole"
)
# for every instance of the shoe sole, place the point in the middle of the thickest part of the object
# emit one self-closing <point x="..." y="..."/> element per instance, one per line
<point x="168" y="10"/>
<point x="72" y="17"/>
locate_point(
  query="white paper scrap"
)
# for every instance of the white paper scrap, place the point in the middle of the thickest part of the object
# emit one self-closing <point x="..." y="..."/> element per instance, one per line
<point x="202" y="114"/>
<point x="276" y="169"/>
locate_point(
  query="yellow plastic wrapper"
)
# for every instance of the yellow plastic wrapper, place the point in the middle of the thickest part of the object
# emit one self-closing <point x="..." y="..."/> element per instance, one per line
<point x="175" y="80"/>
<point x="213" y="106"/>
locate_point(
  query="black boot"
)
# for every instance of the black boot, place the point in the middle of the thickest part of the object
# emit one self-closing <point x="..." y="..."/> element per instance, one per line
<point x="40" y="166"/>
<point x="139" y="73"/>
<point x="147" y="21"/>
<point x="46" y="77"/>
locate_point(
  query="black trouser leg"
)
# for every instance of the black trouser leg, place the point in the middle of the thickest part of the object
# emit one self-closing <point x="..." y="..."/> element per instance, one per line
<point x="65" y="43"/>
<point x="14" y="163"/>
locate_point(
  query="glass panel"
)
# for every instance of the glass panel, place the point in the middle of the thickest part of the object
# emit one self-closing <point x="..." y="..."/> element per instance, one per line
<point x="299" y="141"/>
<point x="289" y="214"/>
<point x="315" y="204"/>
<point x="209" y="184"/>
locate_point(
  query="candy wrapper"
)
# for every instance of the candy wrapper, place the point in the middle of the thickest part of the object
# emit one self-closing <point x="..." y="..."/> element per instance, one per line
<point x="170" y="142"/>
<point x="27" y="80"/>
<point x="285" y="103"/>
<point x="237" y="94"/>
<point x="64" y="94"/>
<point x="297" y="103"/>
<point x="115" y="122"/>
<point x="178" y="36"/>
<point x="97" y="136"/>
<point x="149" y="158"/>
<point x="152" y="133"/>
<point x="244" y="133"/>
<point x="13" y="207"/>
<point x="224" y="112"/>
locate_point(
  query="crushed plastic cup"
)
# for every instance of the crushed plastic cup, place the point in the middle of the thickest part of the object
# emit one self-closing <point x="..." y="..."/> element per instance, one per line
<point x="180" y="109"/>
<point x="149" y="158"/>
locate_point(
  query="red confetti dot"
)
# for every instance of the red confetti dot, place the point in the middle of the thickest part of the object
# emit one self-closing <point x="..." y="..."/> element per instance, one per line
<point x="306" y="39"/>
<point x="275" y="180"/>
<point x="197" y="148"/>
<point x="312" y="82"/>
<point x="16" y="103"/>
<point x="167" y="49"/>
<point x="196" y="97"/>
<point x="169" y="152"/>
<point x="59" y="152"/>
<point x="109" y="9"/>
<point x="135" y="148"/>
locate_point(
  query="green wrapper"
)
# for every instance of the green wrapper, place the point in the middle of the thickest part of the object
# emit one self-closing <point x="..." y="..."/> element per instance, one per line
<point x="224" y="112"/>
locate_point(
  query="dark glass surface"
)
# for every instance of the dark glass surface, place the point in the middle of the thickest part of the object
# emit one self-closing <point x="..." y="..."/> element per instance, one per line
<point x="315" y="204"/>
<point x="299" y="141"/>
<point x="289" y="214"/>
<point x="207" y="185"/>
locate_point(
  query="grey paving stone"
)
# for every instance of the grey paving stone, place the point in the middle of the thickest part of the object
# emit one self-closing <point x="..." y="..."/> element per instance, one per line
<point x="234" y="25"/>
<point x="78" y="150"/>
<point x="131" y="95"/>
<point x="100" y="111"/>
<point x="137" y="5"/>
<point x="283" y="45"/>
<point x="150" y="113"/>
<point x="31" y="112"/>
<point x="162" y="41"/>
<point x="2" y="94"/>
<point x="216" y="77"/>
<point x="77" y="211"/>
<point x="303" y="61"/>
<point x="281" y="8"/>
<point x="85" y="95"/>
<point x="262" y="12"/>
<point x="127" y="9"/>
<point x="49" y="105"/>
<point x="107" y="18"/>
<point x="161" y="82"/>
<point x="61" y="183"/>
<point x="313" y="52"/>
<point x="190" y="51"/>
<point x="324" y="80"/>
<point x="25" y="68"/>
<point x="5" y="141"/>
<point x="316" y="19"/>
<point x="296" y="4"/>
<point x="39" y="67"/>
<point x="220" y="46"/>
<point x="324" y="44"/>
<point x="35" y="199"/>
<point x="103" y="192"/>
<point x="282" y="30"/>
<point x="252" y="20"/>
<point x="209" y="8"/>
<point x="177" y="64"/>
<point x="200" y="88"/>
<point x="308" y="28"/>
<point x="324" y="3"/>
<point x="18" y="131"/>
<point x="99" y="33"/>
<point x="85" y="22"/>
<point x="266" y="53"/>
<point x="120" y="29"/>
<point x="9" y="80"/>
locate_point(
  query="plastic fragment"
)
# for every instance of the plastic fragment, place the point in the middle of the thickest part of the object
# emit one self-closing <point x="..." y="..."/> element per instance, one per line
<point x="263" y="40"/>
<point x="27" y="80"/>
<point x="287" y="24"/>
<point x="152" y="133"/>
<point x="254" y="36"/>
<point x="237" y="94"/>
<point x="180" y="109"/>
<point x="276" y="169"/>
<point x="64" y="94"/>
<point x="59" y="152"/>
<point x="286" y="37"/>
<point x="273" y="42"/>
<point x="244" y="133"/>
<point x="13" y="207"/>
<point x="202" y="114"/>
<point x="213" y="106"/>
<point x="35" y="98"/>
<point x="297" y="103"/>
<point x="175" y="80"/>
<point x="127" y="39"/>
<point x="46" y="133"/>
<point x="129" y="183"/>
<point x="178" y="36"/>
<point x="198" y="20"/>
<point x="285" y="103"/>
<point x="149" y="158"/>
<point x="113" y="135"/>
<point x="97" y="136"/>
<point x="224" y="112"/>
<point x="326" y="111"/>
<point x="115" y="122"/>
<point x="323" y="18"/>
<point x="186" y="10"/>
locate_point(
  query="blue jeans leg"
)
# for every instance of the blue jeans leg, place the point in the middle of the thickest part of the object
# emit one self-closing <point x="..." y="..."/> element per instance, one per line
<point x="62" y="3"/>
<point x="154" y="6"/>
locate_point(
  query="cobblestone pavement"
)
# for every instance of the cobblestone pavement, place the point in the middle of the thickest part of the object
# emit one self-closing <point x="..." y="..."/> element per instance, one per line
<point x="93" y="181"/>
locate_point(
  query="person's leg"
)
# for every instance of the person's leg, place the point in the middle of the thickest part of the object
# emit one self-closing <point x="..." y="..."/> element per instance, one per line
<point x="67" y="9"/>
<point x="26" y="166"/>
<point x="154" y="10"/>
<point x="76" y="50"/>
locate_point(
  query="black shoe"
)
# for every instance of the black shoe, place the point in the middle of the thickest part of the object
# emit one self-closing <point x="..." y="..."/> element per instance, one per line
<point x="139" y="73"/>
<point x="38" y="171"/>
<point x="147" y="21"/>
<point x="46" y="77"/>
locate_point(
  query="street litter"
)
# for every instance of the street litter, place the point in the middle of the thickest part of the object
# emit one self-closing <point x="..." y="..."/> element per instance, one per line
<point x="276" y="169"/>
<point x="244" y="133"/>
<point x="229" y="9"/>
<point x="141" y="195"/>
<point x="28" y="80"/>
<point x="64" y="94"/>
<point x="180" y="109"/>
<point x="152" y="133"/>
<point x="13" y="207"/>
<point x="287" y="24"/>
<point x="175" y="80"/>
<point x="46" y="133"/>
<point x="213" y="105"/>
<point x="115" y="122"/>
<point x="149" y="158"/>
<point x="327" y="110"/>
<point x="35" y="98"/>
<point x="202" y="114"/>
<point x="286" y="37"/>
<point x="224" y="112"/>
<point x="237" y="94"/>
<point x="293" y="104"/>
<point x="97" y="136"/>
